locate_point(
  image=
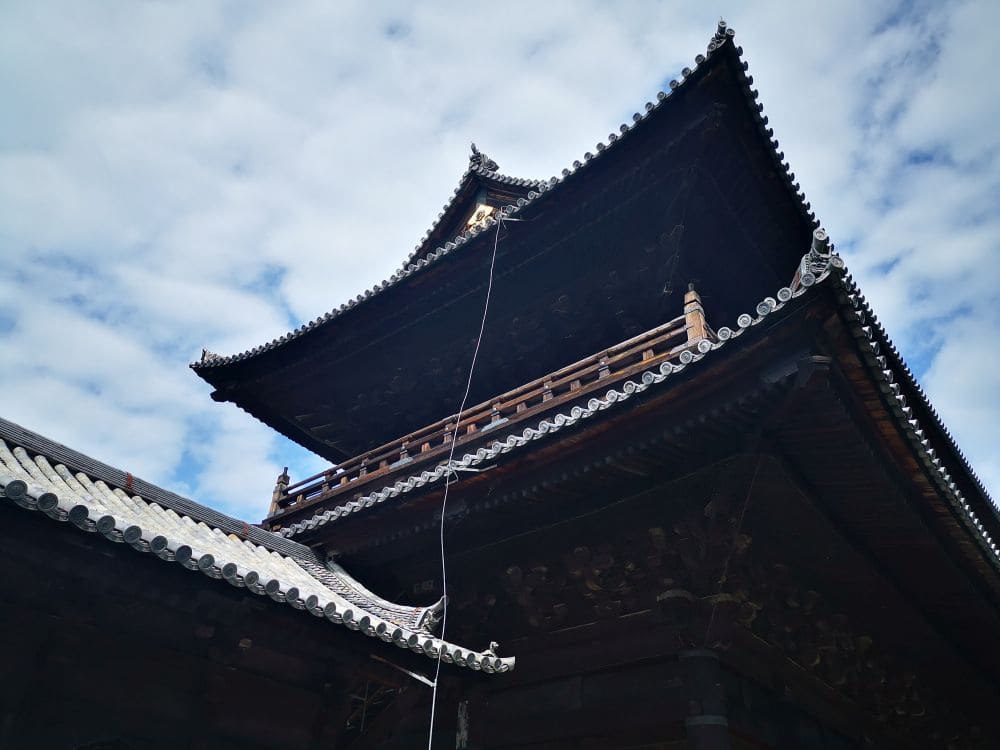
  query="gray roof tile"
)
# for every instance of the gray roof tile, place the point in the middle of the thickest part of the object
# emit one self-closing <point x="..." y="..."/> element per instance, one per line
<point x="38" y="482"/>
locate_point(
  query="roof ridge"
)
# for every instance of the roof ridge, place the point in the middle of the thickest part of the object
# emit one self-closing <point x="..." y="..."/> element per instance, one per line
<point x="721" y="40"/>
<point x="479" y="171"/>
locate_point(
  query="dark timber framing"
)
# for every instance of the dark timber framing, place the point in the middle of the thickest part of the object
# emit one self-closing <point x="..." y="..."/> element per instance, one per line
<point x="745" y="535"/>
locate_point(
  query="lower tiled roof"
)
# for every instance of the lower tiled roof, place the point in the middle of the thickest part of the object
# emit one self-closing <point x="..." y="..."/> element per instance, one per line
<point x="36" y="482"/>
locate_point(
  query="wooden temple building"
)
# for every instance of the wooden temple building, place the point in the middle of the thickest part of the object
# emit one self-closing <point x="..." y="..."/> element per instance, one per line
<point x="695" y="500"/>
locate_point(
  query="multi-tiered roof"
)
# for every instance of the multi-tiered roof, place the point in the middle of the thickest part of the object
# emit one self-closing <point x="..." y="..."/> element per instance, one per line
<point x="687" y="430"/>
<point x="694" y="189"/>
<point x="601" y="254"/>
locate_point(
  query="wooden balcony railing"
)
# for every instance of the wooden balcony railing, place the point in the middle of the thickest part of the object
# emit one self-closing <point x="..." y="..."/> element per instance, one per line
<point x="432" y="443"/>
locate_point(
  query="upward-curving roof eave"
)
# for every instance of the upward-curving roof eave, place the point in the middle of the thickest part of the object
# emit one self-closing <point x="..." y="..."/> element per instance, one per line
<point x="54" y="483"/>
<point x="721" y="50"/>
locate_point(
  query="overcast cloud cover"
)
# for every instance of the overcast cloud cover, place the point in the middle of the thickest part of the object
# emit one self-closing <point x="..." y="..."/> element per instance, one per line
<point x="178" y="175"/>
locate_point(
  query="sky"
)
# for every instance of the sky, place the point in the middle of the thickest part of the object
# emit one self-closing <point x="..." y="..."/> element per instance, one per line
<point x="179" y="175"/>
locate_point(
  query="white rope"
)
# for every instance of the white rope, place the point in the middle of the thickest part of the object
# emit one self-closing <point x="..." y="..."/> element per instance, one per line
<point x="451" y="473"/>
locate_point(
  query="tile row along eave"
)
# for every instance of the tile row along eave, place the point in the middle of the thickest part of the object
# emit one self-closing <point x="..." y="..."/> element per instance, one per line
<point x="35" y="484"/>
<point x="885" y="364"/>
<point x="720" y="42"/>
<point x="813" y="269"/>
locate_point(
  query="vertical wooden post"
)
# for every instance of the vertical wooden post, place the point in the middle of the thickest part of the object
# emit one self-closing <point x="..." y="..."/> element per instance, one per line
<point x="475" y="719"/>
<point x="462" y="726"/>
<point x="694" y="316"/>
<point x="707" y="723"/>
<point x="279" y="492"/>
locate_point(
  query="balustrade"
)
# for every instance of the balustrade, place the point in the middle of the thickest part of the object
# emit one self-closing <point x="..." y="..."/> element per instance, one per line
<point x="433" y="442"/>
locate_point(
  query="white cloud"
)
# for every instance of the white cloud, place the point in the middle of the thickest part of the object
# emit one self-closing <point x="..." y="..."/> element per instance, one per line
<point x="966" y="395"/>
<point x="201" y="174"/>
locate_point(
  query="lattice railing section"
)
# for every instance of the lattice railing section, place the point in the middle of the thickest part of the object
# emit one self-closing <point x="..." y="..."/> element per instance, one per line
<point x="432" y="443"/>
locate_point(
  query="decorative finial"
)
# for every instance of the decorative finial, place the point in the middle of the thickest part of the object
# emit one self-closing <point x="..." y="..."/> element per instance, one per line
<point x="821" y="242"/>
<point x="479" y="160"/>
<point x="722" y="32"/>
<point x="433" y="615"/>
<point x="278" y="495"/>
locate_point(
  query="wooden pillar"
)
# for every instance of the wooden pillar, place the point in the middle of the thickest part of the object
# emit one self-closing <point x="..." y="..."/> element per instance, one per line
<point x="279" y="491"/>
<point x="694" y="316"/>
<point x="462" y="726"/>
<point x="707" y="723"/>
<point x="471" y="719"/>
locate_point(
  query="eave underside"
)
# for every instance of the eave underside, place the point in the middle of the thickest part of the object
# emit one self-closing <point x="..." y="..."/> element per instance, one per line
<point x="821" y="493"/>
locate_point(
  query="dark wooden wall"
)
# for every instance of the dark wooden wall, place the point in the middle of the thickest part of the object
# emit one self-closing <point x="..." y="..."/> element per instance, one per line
<point x="105" y="644"/>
